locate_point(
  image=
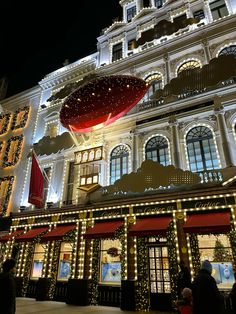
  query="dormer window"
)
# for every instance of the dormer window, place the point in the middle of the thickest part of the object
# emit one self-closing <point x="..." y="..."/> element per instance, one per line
<point x="130" y="13"/>
<point x="158" y="3"/>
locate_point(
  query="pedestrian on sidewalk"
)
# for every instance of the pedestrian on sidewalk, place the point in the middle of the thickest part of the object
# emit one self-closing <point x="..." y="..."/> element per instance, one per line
<point x="8" y="287"/>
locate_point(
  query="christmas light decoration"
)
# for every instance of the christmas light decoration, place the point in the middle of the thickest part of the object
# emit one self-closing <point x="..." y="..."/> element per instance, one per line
<point x="20" y="118"/>
<point x="101" y="101"/>
<point x="13" y="150"/>
<point x="4" y="122"/>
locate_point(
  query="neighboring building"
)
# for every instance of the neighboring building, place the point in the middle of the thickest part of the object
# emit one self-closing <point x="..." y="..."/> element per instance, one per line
<point x="124" y="203"/>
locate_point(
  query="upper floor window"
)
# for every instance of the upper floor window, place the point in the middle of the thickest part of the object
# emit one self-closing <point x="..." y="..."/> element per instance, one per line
<point x="218" y="9"/>
<point x="199" y="14"/>
<point x="202" y="154"/>
<point x="13" y="151"/>
<point x="158" y="3"/>
<point x="20" y="118"/>
<point x="180" y="20"/>
<point x="130" y="13"/>
<point x="89" y="174"/>
<point x="155" y="81"/>
<point x="157" y="150"/>
<point x="189" y="65"/>
<point x="119" y="162"/>
<point x="117" y="52"/>
<point x="51" y="129"/>
<point x="132" y="44"/>
<point x="70" y="183"/>
<point x="230" y="50"/>
<point x="4" y="122"/>
<point x="146" y="3"/>
<point x="6" y="184"/>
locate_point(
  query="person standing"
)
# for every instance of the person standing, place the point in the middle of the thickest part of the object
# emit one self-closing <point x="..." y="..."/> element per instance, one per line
<point x="8" y="287"/>
<point x="184" y="278"/>
<point x="207" y="298"/>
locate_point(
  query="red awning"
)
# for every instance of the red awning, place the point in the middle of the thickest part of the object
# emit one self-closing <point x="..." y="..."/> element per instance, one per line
<point x="208" y="223"/>
<point x="150" y="226"/>
<point x="103" y="229"/>
<point x="11" y="235"/>
<point x="57" y="233"/>
<point x="31" y="234"/>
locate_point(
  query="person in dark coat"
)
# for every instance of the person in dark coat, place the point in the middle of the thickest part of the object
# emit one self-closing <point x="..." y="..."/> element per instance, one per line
<point x="207" y="298"/>
<point x="184" y="278"/>
<point x="8" y="287"/>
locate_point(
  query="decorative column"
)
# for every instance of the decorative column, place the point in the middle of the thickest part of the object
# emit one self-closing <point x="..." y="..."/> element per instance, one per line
<point x="134" y="150"/>
<point x="176" y="161"/>
<point x="208" y="11"/>
<point x="167" y="66"/>
<point x="219" y="112"/>
<point x="205" y="45"/>
<point x="139" y="5"/>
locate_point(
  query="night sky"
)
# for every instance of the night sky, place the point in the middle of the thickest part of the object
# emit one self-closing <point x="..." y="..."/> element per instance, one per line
<point x="37" y="37"/>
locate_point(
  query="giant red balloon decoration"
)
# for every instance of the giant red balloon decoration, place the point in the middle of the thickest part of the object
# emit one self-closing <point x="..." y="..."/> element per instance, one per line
<point x="101" y="101"/>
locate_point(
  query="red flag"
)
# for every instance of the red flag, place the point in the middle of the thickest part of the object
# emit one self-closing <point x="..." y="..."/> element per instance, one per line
<point x="36" y="189"/>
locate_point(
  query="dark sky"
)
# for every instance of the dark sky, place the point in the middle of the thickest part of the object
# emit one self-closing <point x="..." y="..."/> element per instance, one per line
<point x="36" y="37"/>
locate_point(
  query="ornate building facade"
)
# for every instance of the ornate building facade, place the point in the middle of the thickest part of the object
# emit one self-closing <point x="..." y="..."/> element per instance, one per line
<point x="126" y="202"/>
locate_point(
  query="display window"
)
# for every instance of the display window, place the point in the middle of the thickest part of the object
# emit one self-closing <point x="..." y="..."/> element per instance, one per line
<point x="37" y="265"/>
<point x="217" y="249"/>
<point x="110" y="262"/>
<point x="64" y="268"/>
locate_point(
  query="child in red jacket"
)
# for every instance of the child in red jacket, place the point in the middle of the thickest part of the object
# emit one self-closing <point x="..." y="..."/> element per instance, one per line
<point x="185" y="305"/>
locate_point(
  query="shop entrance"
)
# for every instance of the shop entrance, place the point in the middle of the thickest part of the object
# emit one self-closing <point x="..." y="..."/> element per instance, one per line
<point x="159" y="274"/>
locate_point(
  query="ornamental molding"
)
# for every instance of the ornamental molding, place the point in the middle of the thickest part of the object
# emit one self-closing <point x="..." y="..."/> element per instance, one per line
<point x="67" y="73"/>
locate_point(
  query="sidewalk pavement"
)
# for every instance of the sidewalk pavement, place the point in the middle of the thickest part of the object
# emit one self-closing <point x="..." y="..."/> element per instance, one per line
<point x="28" y="306"/>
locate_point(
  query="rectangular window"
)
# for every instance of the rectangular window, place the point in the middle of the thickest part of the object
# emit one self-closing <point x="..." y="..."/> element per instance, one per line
<point x="110" y="262"/>
<point x="158" y="4"/>
<point x="132" y="44"/>
<point x="89" y="174"/>
<point x="130" y="13"/>
<point x="217" y="249"/>
<point x="199" y="14"/>
<point x="117" y="52"/>
<point x="218" y="9"/>
<point x="65" y="259"/>
<point x="13" y="151"/>
<point x="6" y="184"/>
<point x="70" y="183"/>
<point x="37" y="265"/>
<point x="20" y="118"/>
<point x="4" y="122"/>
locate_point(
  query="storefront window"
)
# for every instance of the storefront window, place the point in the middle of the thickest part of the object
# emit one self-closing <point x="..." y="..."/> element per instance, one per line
<point x="37" y="266"/>
<point x="65" y="261"/>
<point x="110" y="265"/>
<point x="216" y="248"/>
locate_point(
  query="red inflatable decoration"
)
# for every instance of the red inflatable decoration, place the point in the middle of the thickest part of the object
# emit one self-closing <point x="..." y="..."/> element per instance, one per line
<point x="101" y="102"/>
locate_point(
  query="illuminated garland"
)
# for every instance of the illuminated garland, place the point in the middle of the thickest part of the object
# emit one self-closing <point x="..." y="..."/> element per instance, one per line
<point x="232" y="238"/>
<point x="142" y="288"/>
<point x="23" y="121"/>
<point x="5" y="202"/>
<point x="195" y="253"/>
<point x="93" y="286"/>
<point x="120" y="234"/>
<point x="7" y="117"/>
<point x="53" y="277"/>
<point x="1" y="146"/>
<point x="173" y="262"/>
<point x="27" y="268"/>
<point x="15" y="159"/>
<point x="70" y="237"/>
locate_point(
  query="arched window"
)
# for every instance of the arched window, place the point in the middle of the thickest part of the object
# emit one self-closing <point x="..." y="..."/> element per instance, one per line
<point x="119" y="162"/>
<point x="201" y="149"/>
<point x="189" y="65"/>
<point x="157" y="150"/>
<point x="155" y="81"/>
<point x="230" y="50"/>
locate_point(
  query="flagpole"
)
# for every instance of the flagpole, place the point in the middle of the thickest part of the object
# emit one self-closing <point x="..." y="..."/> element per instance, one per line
<point x="44" y="172"/>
